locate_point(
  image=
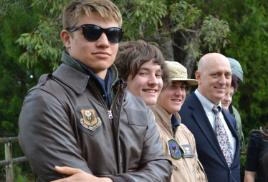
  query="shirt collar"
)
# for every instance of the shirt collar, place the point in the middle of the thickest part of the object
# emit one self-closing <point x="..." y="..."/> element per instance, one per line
<point x="166" y="118"/>
<point x="207" y="104"/>
<point x="175" y="122"/>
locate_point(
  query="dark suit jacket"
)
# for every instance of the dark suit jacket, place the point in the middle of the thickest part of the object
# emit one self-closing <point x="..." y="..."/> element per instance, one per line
<point x="209" y="153"/>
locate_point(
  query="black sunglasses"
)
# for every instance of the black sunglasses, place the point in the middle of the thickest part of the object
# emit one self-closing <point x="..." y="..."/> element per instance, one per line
<point x="93" y="32"/>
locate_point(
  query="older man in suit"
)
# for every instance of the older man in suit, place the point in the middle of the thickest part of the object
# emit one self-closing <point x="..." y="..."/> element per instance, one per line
<point x="213" y="128"/>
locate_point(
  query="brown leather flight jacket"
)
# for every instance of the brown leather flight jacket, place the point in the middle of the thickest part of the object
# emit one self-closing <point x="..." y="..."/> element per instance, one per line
<point x="65" y="122"/>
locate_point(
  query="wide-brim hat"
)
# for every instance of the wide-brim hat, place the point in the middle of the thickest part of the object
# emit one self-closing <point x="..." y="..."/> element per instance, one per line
<point x="177" y="72"/>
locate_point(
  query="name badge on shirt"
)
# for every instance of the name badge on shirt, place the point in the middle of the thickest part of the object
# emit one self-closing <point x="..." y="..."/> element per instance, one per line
<point x="174" y="149"/>
<point x="188" y="151"/>
<point x="90" y="119"/>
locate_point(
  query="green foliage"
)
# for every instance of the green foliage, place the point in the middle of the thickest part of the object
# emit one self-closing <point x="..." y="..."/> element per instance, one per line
<point x="5" y="5"/>
<point x="150" y="20"/>
<point x="14" y="79"/>
<point x="51" y="8"/>
<point x="214" y="34"/>
<point x="183" y="16"/>
<point x="250" y="45"/>
<point x="43" y="44"/>
<point x="136" y="14"/>
<point x="22" y="175"/>
<point x="39" y="45"/>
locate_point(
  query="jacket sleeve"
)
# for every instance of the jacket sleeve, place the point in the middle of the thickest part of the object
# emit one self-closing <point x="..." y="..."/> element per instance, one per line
<point x="253" y="151"/>
<point x="154" y="165"/>
<point x="46" y="137"/>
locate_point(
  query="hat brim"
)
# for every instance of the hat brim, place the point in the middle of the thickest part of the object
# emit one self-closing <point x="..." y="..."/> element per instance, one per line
<point x="190" y="82"/>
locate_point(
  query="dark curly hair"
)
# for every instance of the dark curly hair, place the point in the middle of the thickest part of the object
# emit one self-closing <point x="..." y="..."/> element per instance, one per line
<point x="133" y="54"/>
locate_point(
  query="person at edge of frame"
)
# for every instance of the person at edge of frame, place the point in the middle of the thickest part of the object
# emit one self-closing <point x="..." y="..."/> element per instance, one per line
<point x="256" y="166"/>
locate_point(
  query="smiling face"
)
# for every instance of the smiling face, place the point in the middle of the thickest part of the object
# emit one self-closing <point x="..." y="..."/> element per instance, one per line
<point x="214" y="76"/>
<point x="172" y="97"/>
<point x="98" y="55"/>
<point x="147" y="83"/>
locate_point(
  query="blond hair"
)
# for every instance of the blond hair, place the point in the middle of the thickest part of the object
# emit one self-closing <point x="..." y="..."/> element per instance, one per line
<point x="79" y="8"/>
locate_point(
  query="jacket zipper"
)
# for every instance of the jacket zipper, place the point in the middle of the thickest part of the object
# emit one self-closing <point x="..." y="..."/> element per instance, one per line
<point x="118" y="97"/>
<point x="111" y="117"/>
<point x="110" y="114"/>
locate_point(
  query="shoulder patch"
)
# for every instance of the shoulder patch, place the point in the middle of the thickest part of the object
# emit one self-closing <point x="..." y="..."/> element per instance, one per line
<point x="175" y="151"/>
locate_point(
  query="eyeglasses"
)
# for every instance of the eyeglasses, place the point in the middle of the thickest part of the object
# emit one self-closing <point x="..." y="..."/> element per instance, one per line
<point x="93" y="32"/>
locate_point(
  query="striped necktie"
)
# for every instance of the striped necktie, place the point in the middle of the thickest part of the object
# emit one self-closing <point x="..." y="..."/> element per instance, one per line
<point x="222" y="136"/>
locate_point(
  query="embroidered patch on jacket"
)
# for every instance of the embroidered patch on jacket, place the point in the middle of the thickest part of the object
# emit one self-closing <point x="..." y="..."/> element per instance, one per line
<point x="187" y="151"/>
<point x="90" y="119"/>
<point x="175" y="150"/>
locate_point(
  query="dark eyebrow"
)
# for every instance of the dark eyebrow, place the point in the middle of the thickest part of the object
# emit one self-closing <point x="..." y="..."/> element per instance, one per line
<point x="146" y="69"/>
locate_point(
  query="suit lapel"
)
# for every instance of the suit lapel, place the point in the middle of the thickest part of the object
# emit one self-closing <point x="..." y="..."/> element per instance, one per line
<point x="202" y="121"/>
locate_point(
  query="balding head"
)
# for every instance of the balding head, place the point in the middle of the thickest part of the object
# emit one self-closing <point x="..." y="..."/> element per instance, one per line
<point x="211" y="58"/>
<point x="214" y="76"/>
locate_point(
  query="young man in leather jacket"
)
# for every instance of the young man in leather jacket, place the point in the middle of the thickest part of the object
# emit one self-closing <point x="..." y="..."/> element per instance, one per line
<point x="80" y="123"/>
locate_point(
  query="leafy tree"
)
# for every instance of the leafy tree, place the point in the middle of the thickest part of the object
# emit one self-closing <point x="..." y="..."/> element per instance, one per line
<point x="250" y="46"/>
<point x="42" y="44"/>
<point x="14" y="79"/>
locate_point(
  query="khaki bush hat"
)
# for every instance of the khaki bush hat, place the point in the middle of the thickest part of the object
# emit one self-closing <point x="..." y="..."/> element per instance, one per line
<point x="178" y="72"/>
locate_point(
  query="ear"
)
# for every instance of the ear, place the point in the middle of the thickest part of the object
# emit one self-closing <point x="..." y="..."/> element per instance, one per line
<point x="197" y="75"/>
<point x="65" y="38"/>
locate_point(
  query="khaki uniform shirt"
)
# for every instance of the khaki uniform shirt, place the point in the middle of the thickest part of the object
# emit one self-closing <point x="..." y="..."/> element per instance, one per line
<point x="187" y="168"/>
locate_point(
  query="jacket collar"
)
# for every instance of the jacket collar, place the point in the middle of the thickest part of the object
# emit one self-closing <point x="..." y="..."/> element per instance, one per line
<point x="164" y="117"/>
<point x="74" y="75"/>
